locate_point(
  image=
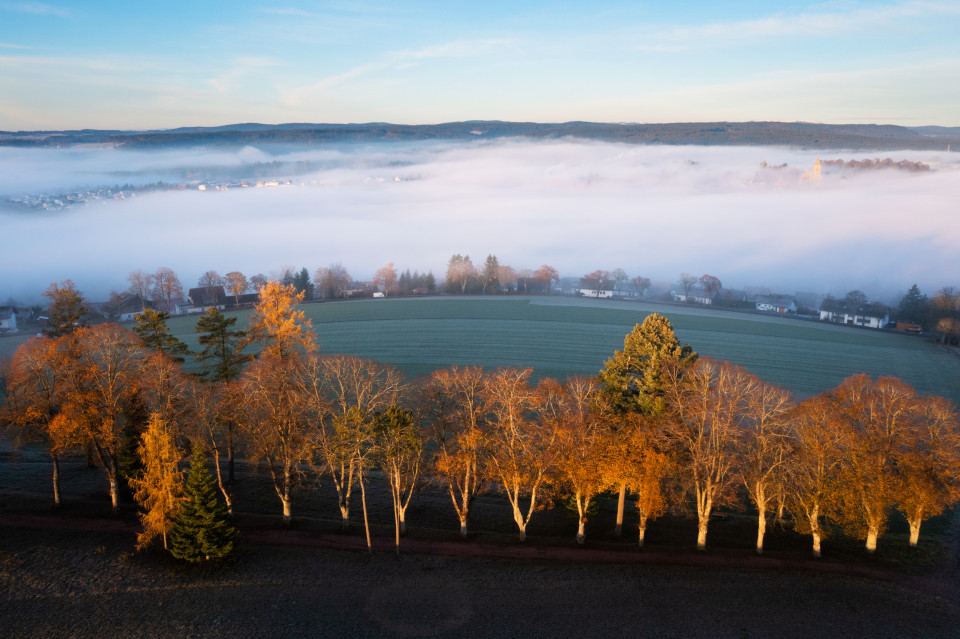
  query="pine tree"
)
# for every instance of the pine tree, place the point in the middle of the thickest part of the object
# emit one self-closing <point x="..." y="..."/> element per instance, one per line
<point x="202" y="529"/>
<point x="152" y="328"/>
<point x="221" y="346"/>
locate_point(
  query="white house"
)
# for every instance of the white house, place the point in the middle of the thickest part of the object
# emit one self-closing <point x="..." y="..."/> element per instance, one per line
<point x="867" y="316"/>
<point x="696" y="296"/>
<point x="598" y="293"/>
<point x="8" y="319"/>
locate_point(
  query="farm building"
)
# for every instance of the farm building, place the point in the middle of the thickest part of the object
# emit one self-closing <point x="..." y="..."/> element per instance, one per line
<point x="867" y="316"/>
<point x="201" y="298"/>
<point x="696" y="296"/>
<point x="775" y="303"/>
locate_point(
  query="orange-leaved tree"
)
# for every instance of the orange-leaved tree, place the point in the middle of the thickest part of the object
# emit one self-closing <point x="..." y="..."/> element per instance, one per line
<point x="159" y="487"/>
<point x="282" y="329"/>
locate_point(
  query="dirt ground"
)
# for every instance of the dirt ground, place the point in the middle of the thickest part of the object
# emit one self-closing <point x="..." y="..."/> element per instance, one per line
<point x="73" y="571"/>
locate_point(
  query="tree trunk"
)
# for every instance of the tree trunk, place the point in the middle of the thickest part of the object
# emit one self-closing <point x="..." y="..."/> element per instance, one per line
<point x="620" y="502"/>
<point x="463" y="526"/>
<point x="581" y="531"/>
<point x="223" y="490"/>
<point x="366" y="521"/>
<point x="761" y="529"/>
<point x="816" y="543"/>
<point x="642" y="529"/>
<point x="702" y="532"/>
<point x="56" y="479"/>
<point x="914" y="531"/>
<point x="872" y="534"/>
<point x="114" y="493"/>
<point x="814" y="519"/>
<point x="344" y="516"/>
<point x="287" y="510"/>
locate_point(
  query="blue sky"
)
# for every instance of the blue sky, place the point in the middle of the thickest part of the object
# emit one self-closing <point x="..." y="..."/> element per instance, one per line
<point x="136" y="65"/>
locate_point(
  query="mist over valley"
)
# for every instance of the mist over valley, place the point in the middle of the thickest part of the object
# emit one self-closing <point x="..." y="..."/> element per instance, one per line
<point x="752" y="216"/>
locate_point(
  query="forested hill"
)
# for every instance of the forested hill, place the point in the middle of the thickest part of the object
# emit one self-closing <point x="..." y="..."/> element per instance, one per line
<point x="867" y="137"/>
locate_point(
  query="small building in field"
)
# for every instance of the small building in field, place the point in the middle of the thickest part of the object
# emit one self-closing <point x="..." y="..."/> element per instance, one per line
<point x="775" y="304"/>
<point x="203" y="297"/>
<point x="695" y="296"/>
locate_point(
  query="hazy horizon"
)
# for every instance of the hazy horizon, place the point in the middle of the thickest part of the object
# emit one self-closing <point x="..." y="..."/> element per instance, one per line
<point x="579" y="206"/>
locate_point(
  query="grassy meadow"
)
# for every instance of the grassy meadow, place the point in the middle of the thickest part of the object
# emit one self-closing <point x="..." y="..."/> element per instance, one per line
<point x="560" y="337"/>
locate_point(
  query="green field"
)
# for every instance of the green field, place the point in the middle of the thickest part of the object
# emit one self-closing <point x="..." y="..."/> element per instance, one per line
<point x="559" y="337"/>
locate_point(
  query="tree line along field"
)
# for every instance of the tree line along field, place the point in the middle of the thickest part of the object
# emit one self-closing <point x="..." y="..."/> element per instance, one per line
<point x="559" y="337"/>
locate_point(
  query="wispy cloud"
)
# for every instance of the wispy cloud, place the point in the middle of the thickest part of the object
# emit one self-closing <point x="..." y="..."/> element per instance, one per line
<point x="399" y="60"/>
<point x="8" y="45"/>
<point x="825" y="24"/>
<point x="35" y="8"/>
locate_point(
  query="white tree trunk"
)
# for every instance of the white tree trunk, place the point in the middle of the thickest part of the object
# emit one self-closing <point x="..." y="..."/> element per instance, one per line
<point x="702" y="532"/>
<point x="114" y="494"/>
<point x="56" y="480"/>
<point x="344" y="516"/>
<point x="872" y="534"/>
<point x="287" y="509"/>
<point x="463" y="525"/>
<point x="814" y="518"/>
<point x="914" y="532"/>
<point x="620" y="503"/>
<point x="642" y="530"/>
<point x="366" y="520"/>
<point x="816" y="543"/>
<point x="581" y="531"/>
<point x="761" y="529"/>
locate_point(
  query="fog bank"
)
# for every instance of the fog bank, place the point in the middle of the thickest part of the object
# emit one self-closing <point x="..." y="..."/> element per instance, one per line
<point x="579" y="206"/>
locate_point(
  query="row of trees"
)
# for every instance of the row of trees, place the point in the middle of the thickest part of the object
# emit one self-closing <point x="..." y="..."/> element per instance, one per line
<point x="657" y="423"/>
<point x="493" y="278"/>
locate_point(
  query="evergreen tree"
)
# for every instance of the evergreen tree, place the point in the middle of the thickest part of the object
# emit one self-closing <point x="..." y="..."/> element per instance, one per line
<point x="152" y="328"/>
<point x="201" y="530"/>
<point x="914" y="306"/>
<point x="221" y="356"/>
<point x="633" y="378"/>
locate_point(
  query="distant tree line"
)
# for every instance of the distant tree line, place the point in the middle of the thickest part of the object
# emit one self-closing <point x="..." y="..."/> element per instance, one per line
<point x="658" y="425"/>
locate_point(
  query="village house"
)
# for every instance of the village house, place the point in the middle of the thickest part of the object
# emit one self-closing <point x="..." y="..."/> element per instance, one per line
<point x="775" y="304"/>
<point x="867" y="316"/>
<point x="8" y="319"/>
<point x="695" y="296"/>
<point x="201" y="298"/>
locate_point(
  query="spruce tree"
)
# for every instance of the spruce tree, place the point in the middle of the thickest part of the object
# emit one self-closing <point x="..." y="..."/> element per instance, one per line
<point x="202" y="529"/>
<point x="152" y="328"/>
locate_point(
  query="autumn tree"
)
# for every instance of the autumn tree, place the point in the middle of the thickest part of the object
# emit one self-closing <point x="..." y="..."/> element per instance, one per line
<point x="642" y="284"/>
<point x="399" y="450"/>
<point x="456" y="403"/>
<point x="875" y="416"/>
<point x="708" y="413"/>
<point x="158" y="488"/>
<point x="386" y="279"/>
<point x="522" y="449"/>
<point x="211" y="278"/>
<point x="811" y="468"/>
<point x="166" y="287"/>
<point x="152" y="328"/>
<point x="583" y="442"/>
<point x="282" y="330"/>
<point x="202" y="529"/>
<point x="507" y="277"/>
<point x="460" y="273"/>
<point x="351" y="390"/>
<point x="339" y="279"/>
<point x="638" y="459"/>
<point x="547" y="273"/>
<point x="764" y="449"/>
<point x="102" y="394"/>
<point x="236" y="283"/>
<point x="710" y="284"/>
<point x="141" y="285"/>
<point x="66" y="310"/>
<point x="35" y="393"/>
<point x="928" y="463"/>
<point x="276" y="425"/>
<point x="215" y="410"/>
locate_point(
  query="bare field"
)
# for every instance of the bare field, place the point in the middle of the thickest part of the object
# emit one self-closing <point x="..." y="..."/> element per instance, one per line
<point x="73" y="571"/>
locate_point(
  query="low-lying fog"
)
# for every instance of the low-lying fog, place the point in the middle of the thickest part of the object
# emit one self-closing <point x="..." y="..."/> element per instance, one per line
<point x="655" y="211"/>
